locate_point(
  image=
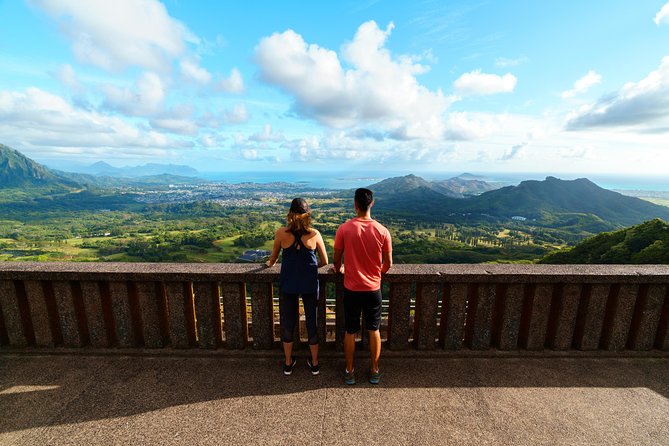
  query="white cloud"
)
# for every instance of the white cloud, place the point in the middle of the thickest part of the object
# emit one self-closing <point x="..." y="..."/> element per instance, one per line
<point x="467" y="126"/>
<point x="193" y="72"/>
<point x="515" y="152"/>
<point x="212" y="140"/>
<point x="146" y="98"/>
<point x="477" y="83"/>
<point x="115" y="35"/>
<point x="662" y="15"/>
<point x="503" y="62"/>
<point x="232" y="84"/>
<point x="175" y="125"/>
<point x="238" y="115"/>
<point x="66" y="75"/>
<point x="340" y="146"/>
<point x="583" y="84"/>
<point x="576" y="153"/>
<point x="45" y="121"/>
<point x="643" y="104"/>
<point x="267" y="135"/>
<point x="249" y="154"/>
<point x="375" y="88"/>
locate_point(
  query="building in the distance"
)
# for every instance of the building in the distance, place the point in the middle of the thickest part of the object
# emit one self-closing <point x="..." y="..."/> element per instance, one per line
<point x="255" y="255"/>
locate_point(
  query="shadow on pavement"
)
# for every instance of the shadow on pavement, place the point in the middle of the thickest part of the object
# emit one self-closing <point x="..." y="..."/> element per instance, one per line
<point x="85" y="388"/>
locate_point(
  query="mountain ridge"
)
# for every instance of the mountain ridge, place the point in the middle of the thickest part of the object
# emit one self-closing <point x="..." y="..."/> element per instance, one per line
<point x="17" y="170"/>
<point x="102" y="168"/>
<point x="551" y="201"/>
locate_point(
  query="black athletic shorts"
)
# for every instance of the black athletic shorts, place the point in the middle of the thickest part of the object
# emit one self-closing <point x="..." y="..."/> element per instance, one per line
<point x="362" y="302"/>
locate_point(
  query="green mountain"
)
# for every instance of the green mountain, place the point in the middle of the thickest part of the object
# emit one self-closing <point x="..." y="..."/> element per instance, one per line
<point x="463" y="186"/>
<point x="553" y="202"/>
<point x="453" y="188"/>
<point x="19" y="171"/>
<point x="146" y="170"/>
<point x="105" y="181"/>
<point x="644" y="243"/>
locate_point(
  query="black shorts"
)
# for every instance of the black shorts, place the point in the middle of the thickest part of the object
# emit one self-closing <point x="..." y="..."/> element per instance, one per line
<point x="362" y="302"/>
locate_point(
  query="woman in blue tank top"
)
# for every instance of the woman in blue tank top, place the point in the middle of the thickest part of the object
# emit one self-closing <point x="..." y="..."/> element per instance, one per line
<point x="299" y="277"/>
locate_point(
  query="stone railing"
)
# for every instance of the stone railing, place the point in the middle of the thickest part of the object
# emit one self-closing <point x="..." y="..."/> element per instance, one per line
<point x="429" y="307"/>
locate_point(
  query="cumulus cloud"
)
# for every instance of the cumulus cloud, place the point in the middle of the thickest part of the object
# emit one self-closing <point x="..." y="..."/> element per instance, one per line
<point x="232" y="84"/>
<point x="267" y="135"/>
<point x="477" y="83"/>
<point x="146" y="98"/>
<point x="193" y="72"/>
<point x="251" y="149"/>
<point x="212" y="140"/>
<point x="583" y="84"/>
<point x="238" y="115"/>
<point x="340" y="146"/>
<point x="175" y="125"/>
<point x="515" y="152"/>
<point x="148" y="36"/>
<point x="467" y="126"/>
<point x="367" y="85"/>
<point x="644" y="103"/>
<point x="662" y="15"/>
<point x="40" y="119"/>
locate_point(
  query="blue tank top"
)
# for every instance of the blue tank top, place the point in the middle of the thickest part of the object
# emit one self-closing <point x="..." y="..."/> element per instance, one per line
<point x="299" y="268"/>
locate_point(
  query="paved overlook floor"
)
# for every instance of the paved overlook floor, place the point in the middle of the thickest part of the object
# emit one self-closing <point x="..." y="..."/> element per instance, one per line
<point x="245" y="400"/>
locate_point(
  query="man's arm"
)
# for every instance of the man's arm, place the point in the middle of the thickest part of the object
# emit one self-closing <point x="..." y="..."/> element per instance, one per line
<point x="387" y="251"/>
<point x="337" y="260"/>
<point x="387" y="261"/>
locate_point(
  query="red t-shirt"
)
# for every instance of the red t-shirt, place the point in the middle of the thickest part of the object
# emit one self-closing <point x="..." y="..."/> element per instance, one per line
<point x="362" y="242"/>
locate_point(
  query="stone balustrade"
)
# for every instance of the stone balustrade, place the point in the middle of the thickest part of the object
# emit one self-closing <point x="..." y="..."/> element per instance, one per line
<point x="429" y="307"/>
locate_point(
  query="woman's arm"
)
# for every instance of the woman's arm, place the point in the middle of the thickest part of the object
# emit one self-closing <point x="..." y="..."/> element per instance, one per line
<point x="275" y="249"/>
<point x="320" y="248"/>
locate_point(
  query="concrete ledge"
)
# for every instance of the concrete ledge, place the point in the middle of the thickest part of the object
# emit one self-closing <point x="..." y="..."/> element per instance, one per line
<point x="235" y="272"/>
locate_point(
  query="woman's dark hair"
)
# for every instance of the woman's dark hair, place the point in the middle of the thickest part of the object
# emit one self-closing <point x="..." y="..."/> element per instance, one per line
<point x="363" y="198"/>
<point x="299" y="216"/>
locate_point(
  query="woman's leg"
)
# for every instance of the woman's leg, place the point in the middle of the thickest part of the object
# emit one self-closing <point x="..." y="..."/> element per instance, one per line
<point x="289" y="307"/>
<point x="310" y="302"/>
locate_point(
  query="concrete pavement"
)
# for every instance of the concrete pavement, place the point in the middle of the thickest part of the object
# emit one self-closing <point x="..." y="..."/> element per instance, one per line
<point x="80" y="399"/>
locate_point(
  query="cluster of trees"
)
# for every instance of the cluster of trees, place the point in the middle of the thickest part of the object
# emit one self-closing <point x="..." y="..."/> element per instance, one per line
<point x="647" y="243"/>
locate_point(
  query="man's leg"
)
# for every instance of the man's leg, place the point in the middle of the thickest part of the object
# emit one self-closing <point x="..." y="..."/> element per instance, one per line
<point x="372" y="310"/>
<point x="352" y="312"/>
<point x="374" y="349"/>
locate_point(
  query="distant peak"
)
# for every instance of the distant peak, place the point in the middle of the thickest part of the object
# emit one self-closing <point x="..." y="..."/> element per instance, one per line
<point x="101" y="164"/>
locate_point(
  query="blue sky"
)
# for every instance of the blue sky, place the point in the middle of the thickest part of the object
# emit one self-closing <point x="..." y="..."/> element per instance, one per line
<point x="369" y="86"/>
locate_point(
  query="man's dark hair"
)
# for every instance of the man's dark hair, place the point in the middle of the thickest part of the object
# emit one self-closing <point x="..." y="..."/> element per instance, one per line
<point x="363" y="198"/>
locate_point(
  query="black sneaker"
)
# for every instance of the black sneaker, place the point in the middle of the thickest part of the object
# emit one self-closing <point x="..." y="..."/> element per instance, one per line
<point x="288" y="369"/>
<point x="315" y="369"/>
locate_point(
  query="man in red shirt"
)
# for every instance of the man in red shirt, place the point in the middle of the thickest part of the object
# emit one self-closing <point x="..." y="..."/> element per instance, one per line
<point x="366" y="247"/>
